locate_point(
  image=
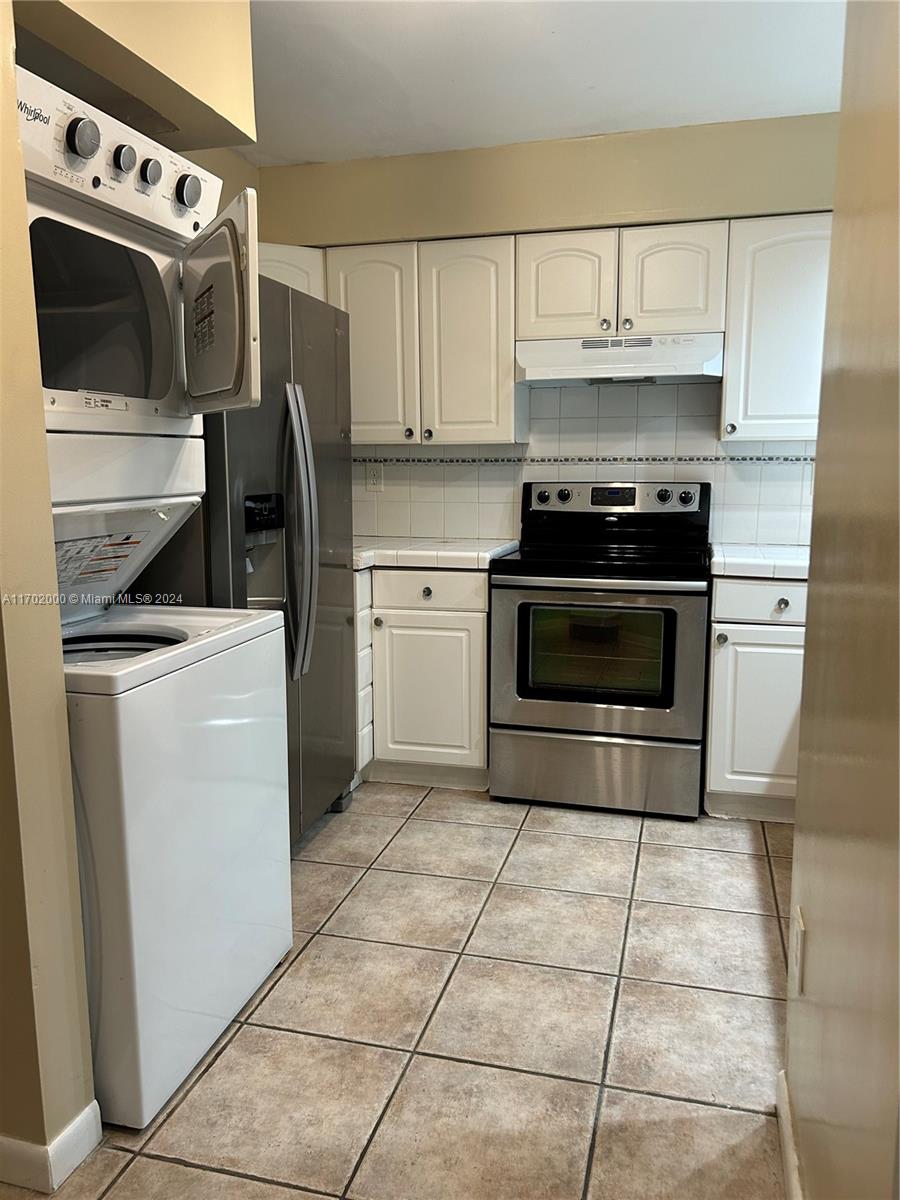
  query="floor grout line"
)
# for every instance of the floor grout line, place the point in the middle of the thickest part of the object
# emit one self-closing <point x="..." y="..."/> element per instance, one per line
<point x="233" y="1174"/>
<point x="595" y="1129"/>
<point x="429" y="1018"/>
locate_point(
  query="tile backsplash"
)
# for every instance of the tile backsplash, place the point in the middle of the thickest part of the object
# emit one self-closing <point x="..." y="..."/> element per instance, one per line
<point x="761" y="491"/>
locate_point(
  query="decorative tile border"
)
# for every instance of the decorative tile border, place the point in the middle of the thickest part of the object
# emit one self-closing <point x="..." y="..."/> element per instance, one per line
<point x="590" y="458"/>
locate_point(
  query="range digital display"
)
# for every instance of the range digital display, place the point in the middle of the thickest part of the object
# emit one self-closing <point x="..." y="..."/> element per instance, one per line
<point x="613" y="497"/>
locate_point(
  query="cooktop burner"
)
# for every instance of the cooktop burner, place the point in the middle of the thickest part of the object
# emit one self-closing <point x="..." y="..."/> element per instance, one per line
<point x="617" y="530"/>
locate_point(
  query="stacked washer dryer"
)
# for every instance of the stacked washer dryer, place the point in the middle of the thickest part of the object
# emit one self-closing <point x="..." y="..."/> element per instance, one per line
<point x="147" y="318"/>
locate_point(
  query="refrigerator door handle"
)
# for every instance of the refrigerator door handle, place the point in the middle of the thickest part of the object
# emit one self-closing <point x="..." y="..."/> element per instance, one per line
<point x="297" y="557"/>
<point x="312" y="546"/>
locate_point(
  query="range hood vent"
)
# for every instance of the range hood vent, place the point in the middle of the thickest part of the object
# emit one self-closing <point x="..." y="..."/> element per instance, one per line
<point x="662" y="356"/>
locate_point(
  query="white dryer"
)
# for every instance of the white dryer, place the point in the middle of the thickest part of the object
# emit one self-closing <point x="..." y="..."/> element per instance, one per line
<point x="179" y="754"/>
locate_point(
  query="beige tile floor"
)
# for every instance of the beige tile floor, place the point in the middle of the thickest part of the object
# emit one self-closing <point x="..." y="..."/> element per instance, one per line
<point x="494" y="1002"/>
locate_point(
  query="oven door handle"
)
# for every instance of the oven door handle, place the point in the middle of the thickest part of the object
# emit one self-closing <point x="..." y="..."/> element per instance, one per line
<point x="669" y="586"/>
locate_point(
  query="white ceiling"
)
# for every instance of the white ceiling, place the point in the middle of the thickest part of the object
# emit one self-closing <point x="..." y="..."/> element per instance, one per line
<point x="338" y="79"/>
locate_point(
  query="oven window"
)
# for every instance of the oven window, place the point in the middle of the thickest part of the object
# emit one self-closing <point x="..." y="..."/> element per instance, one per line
<point x="104" y="323"/>
<point x="597" y="654"/>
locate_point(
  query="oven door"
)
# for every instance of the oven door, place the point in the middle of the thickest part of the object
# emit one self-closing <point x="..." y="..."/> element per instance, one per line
<point x="588" y="656"/>
<point x="138" y="331"/>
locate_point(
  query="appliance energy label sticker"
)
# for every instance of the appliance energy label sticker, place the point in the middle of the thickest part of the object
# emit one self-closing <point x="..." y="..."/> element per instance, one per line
<point x="204" y="321"/>
<point x="86" y="559"/>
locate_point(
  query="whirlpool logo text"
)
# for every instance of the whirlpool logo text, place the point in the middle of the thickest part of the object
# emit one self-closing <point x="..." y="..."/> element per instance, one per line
<point x="33" y="114"/>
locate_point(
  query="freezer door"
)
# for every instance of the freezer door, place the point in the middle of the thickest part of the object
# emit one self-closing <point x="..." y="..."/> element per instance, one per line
<point x="319" y="336"/>
<point x="220" y="283"/>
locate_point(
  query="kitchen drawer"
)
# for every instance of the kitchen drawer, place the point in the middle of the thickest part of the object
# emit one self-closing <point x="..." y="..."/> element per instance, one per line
<point x="363" y="630"/>
<point x="364" y="707"/>
<point x="449" y="591"/>
<point x="362" y="589"/>
<point x="364" y="663"/>
<point x="365" y="747"/>
<point x="759" y="600"/>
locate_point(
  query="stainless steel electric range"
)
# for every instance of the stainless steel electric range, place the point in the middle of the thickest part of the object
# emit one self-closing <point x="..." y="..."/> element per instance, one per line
<point x="598" y="647"/>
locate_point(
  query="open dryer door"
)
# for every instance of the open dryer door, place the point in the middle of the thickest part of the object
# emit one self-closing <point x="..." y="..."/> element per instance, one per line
<point x="221" y="311"/>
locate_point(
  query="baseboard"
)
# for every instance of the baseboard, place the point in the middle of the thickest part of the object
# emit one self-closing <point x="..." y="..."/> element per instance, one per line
<point x="751" y="808"/>
<point x="790" y="1163"/>
<point x="44" y="1168"/>
<point x="471" y="778"/>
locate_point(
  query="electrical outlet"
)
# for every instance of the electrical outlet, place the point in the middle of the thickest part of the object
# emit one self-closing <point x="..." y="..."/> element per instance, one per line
<point x="374" y="477"/>
<point x="797" y="950"/>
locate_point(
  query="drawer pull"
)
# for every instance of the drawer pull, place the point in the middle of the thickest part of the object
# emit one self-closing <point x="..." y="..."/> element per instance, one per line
<point x="783" y="604"/>
<point x="721" y="639"/>
<point x="426" y="593"/>
<point x="378" y="622"/>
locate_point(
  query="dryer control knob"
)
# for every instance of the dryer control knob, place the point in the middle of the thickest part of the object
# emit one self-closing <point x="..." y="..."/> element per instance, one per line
<point x="543" y="496"/>
<point x="685" y="497"/>
<point x="188" y="191"/>
<point x="83" y="137"/>
<point x="564" y="495"/>
<point x="125" y="158"/>
<point x="151" y="171"/>
<point x="664" y="495"/>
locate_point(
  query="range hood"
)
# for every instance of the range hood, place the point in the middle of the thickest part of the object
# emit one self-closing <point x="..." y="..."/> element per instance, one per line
<point x="658" y="356"/>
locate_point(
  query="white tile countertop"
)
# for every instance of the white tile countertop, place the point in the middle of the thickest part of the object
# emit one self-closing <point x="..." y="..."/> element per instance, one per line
<point x="473" y="554"/>
<point x="765" y="562"/>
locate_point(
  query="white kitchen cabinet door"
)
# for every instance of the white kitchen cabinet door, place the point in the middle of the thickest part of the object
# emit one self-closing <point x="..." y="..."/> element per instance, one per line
<point x="777" y="283"/>
<point x="466" y="290"/>
<point x="566" y="283"/>
<point x="377" y="286"/>
<point x="300" y="267"/>
<point x="672" y="278"/>
<point x="754" y="709"/>
<point x="431" y="687"/>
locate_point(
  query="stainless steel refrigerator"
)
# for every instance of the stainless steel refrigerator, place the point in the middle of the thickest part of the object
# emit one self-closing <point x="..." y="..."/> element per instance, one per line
<point x="279" y="530"/>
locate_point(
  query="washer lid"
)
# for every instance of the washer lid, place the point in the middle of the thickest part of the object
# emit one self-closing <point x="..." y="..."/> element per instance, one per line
<point x="102" y="548"/>
<point x="126" y="647"/>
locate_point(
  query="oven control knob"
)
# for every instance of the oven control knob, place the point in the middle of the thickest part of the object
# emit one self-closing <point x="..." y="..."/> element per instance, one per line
<point x="564" y="495"/>
<point x="151" y="171"/>
<point x="543" y="496"/>
<point x="83" y="137"/>
<point x="188" y="190"/>
<point x="664" y="495"/>
<point x="685" y="498"/>
<point x="125" y="158"/>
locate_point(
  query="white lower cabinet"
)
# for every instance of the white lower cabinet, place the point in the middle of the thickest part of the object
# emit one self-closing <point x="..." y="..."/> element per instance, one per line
<point x="754" y="709"/>
<point x="430" y="671"/>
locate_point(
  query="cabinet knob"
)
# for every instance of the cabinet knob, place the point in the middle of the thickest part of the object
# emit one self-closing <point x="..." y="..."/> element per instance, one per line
<point x="628" y="323"/>
<point x="409" y="433"/>
<point x="378" y="622"/>
<point x="606" y="323"/>
<point x="731" y="427"/>
<point x="428" y="435"/>
<point x="721" y="639"/>
<point x="783" y="604"/>
<point x="426" y="593"/>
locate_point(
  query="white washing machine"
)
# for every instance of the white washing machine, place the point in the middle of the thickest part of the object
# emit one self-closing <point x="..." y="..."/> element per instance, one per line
<point x="179" y="753"/>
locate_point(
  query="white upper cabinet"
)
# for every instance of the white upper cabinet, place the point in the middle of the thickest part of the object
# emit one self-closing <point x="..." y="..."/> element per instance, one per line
<point x="777" y="283"/>
<point x="566" y="283"/>
<point x="672" y="278"/>
<point x="377" y="286"/>
<point x="300" y="267"/>
<point x="466" y="290"/>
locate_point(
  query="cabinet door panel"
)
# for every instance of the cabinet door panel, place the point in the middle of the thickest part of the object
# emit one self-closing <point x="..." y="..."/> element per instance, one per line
<point x="430" y="687"/>
<point x="754" y="710"/>
<point x="466" y="322"/>
<point x="300" y="267"/>
<point x="566" y="283"/>
<point x="378" y="286"/>
<point x="777" y="283"/>
<point x="672" y="278"/>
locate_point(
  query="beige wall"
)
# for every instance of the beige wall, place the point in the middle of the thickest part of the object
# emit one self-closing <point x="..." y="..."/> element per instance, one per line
<point x="842" y="1031"/>
<point x="234" y="171"/>
<point x="189" y="60"/>
<point x="45" y="1066"/>
<point x="693" y="172"/>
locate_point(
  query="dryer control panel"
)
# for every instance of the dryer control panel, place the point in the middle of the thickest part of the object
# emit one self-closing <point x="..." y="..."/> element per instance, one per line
<point x="71" y="145"/>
